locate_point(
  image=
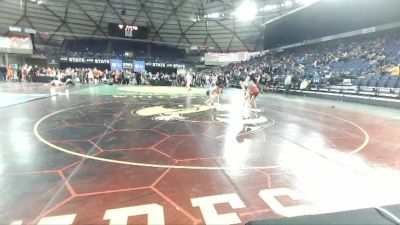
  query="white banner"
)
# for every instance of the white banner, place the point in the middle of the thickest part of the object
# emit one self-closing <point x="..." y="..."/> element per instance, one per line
<point x="18" y="45"/>
<point x="5" y="42"/>
<point x="218" y="59"/>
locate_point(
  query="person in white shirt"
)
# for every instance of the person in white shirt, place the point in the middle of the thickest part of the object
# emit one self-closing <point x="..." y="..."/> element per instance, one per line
<point x="91" y="76"/>
<point x="188" y="81"/>
<point x="251" y="91"/>
<point x="288" y="83"/>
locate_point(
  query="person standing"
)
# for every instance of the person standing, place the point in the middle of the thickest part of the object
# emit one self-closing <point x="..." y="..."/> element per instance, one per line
<point x="82" y="75"/>
<point x="188" y="81"/>
<point x="221" y="83"/>
<point x="3" y="72"/>
<point x="173" y="79"/>
<point x="263" y="83"/>
<point x="96" y="75"/>
<point x="138" y="77"/>
<point x="127" y="77"/>
<point x="19" y="75"/>
<point x="288" y="83"/>
<point x="180" y="80"/>
<point x="10" y="73"/>
<point x="251" y="92"/>
<point x="90" y="76"/>
<point x="118" y="77"/>
<point x="87" y="75"/>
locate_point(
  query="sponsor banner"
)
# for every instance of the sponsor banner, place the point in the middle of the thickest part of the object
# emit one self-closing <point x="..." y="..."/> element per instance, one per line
<point x="116" y="64"/>
<point x="76" y="60"/>
<point x="165" y="65"/>
<point x="101" y="61"/>
<point x="176" y="66"/>
<point x="139" y="66"/>
<point x="156" y="64"/>
<point x="127" y="65"/>
<point x="63" y="59"/>
<point x="84" y="60"/>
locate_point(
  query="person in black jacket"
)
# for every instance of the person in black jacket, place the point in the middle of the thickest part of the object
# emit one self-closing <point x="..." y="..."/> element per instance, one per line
<point x="221" y="81"/>
<point x="138" y="77"/>
<point x="3" y="72"/>
<point x="174" y="80"/>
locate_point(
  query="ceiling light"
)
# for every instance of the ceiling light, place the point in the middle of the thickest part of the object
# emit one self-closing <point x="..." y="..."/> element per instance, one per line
<point x="246" y="11"/>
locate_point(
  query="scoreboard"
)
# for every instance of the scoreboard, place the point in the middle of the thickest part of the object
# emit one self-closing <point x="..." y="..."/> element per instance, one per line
<point x="127" y="31"/>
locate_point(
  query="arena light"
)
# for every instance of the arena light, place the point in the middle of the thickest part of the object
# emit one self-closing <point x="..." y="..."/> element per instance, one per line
<point x="247" y="11"/>
<point x="303" y="4"/>
<point x="213" y="15"/>
<point x="37" y="1"/>
<point x="288" y="3"/>
<point x="270" y="7"/>
<point x="306" y="2"/>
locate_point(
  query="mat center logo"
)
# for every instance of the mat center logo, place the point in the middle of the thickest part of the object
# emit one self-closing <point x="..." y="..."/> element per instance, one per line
<point x="254" y="120"/>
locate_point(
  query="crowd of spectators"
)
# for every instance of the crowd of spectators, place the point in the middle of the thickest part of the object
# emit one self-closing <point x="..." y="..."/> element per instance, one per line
<point x="95" y="76"/>
<point x="115" y="55"/>
<point x="56" y="52"/>
<point x="121" y="49"/>
<point x="330" y="61"/>
<point x="8" y="73"/>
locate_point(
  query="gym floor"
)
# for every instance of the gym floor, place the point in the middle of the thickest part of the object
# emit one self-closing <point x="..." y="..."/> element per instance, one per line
<point x="158" y="155"/>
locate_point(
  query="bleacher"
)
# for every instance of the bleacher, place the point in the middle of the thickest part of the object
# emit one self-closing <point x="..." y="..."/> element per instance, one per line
<point x="88" y="46"/>
<point x="167" y="52"/>
<point x="361" y="77"/>
<point x="119" y="48"/>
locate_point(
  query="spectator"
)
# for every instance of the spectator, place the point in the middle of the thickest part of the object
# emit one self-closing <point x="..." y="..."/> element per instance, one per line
<point x="288" y="83"/>
<point x="3" y="72"/>
<point x="395" y="70"/>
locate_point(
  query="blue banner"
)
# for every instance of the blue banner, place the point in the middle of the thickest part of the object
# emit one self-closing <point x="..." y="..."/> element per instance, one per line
<point x="116" y="64"/>
<point x="138" y="66"/>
